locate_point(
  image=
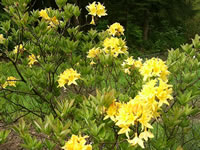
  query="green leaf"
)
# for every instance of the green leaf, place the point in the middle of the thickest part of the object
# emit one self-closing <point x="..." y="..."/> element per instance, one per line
<point x="61" y="3"/>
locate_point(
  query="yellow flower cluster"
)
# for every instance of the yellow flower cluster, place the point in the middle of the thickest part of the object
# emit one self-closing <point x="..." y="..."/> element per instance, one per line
<point x="69" y="76"/>
<point x="77" y="143"/>
<point x="2" y="39"/>
<point x="11" y="81"/>
<point x="19" y="49"/>
<point x="114" y="46"/>
<point x="116" y="29"/>
<point x="111" y="46"/>
<point x="93" y="53"/>
<point x="95" y="9"/>
<point x="43" y="14"/>
<point x="154" y="67"/>
<point x="146" y="105"/>
<point x="32" y="59"/>
<point x="131" y="63"/>
<point x="53" y="22"/>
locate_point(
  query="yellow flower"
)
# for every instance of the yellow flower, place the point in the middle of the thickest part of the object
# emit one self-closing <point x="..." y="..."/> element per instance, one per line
<point x="11" y="81"/>
<point x="164" y="74"/>
<point x="77" y="143"/>
<point x="54" y="22"/>
<point x="92" y="9"/>
<point x="100" y="10"/>
<point x="124" y="129"/>
<point x="125" y="115"/>
<point x="2" y="39"/>
<point x="127" y="71"/>
<point x="94" y="52"/>
<point x="69" y="76"/>
<point x="112" y="110"/>
<point x="136" y="140"/>
<point x="145" y="119"/>
<point x="130" y="61"/>
<point x="164" y="92"/>
<point x="96" y="9"/>
<point x="43" y="14"/>
<point x="92" y="63"/>
<point x="145" y="135"/>
<point x="5" y="85"/>
<point x="32" y="59"/>
<point x="114" y="46"/>
<point x="154" y="67"/>
<point x="136" y="105"/>
<point x="116" y="29"/>
<point x="148" y="90"/>
<point x="19" y="49"/>
<point x="138" y="63"/>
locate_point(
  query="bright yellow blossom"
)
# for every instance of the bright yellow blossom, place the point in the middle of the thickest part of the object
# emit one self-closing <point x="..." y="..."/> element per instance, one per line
<point x="136" y="140"/>
<point x="92" y="63"/>
<point x="101" y="11"/>
<point x="130" y="64"/>
<point x="77" y="143"/>
<point x="125" y="115"/>
<point x="53" y="22"/>
<point x="145" y="135"/>
<point x="145" y="120"/>
<point x="92" y="9"/>
<point x="148" y="89"/>
<point x="43" y="14"/>
<point x="130" y="61"/>
<point x="138" y="63"/>
<point x="94" y="52"/>
<point x="112" y="110"/>
<point x="19" y="49"/>
<point x="124" y="129"/>
<point x="126" y="70"/>
<point x="116" y="29"/>
<point x="2" y="39"/>
<point x="96" y="10"/>
<point x="154" y="67"/>
<point x="164" y="92"/>
<point x="69" y="76"/>
<point x="114" y="46"/>
<point x="32" y="59"/>
<point x="11" y="81"/>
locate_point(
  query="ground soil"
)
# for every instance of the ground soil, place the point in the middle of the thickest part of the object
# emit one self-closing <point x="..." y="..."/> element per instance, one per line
<point x="13" y="140"/>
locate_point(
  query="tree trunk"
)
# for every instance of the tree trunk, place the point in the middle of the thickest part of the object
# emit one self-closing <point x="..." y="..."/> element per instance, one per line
<point x="146" y="26"/>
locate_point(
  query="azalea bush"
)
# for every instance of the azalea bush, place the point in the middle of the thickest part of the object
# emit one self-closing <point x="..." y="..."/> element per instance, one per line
<point x="80" y="89"/>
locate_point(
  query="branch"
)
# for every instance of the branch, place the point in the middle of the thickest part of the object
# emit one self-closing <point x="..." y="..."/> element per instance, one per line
<point x="18" y="91"/>
<point x="19" y="105"/>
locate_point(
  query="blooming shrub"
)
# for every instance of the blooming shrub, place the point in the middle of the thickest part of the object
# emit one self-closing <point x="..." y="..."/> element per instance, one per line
<point x="68" y="76"/>
<point x="77" y="143"/>
<point x="69" y="82"/>
<point x="146" y="105"/>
